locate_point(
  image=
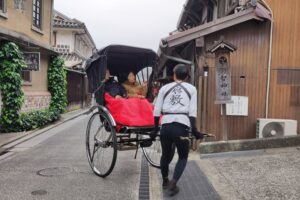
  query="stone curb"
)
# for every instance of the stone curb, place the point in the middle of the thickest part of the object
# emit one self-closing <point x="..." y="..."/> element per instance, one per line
<point x="249" y="144"/>
<point x="30" y="134"/>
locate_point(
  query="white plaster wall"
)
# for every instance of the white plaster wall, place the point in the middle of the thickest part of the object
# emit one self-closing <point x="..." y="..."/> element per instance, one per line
<point x="83" y="48"/>
<point x="65" y="38"/>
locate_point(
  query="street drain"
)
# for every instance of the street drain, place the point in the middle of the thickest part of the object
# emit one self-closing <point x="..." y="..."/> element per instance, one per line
<point x="55" y="171"/>
<point x="144" y="193"/>
<point x="39" y="192"/>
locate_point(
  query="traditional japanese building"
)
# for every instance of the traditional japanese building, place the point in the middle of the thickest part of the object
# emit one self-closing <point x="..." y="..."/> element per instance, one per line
<point x="72" y="40"/>
<point x="265" y="68"/>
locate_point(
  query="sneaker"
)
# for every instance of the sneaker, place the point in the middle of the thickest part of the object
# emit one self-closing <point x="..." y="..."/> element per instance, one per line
<point x="165" y="183"/>
<point x="173" y="188"/>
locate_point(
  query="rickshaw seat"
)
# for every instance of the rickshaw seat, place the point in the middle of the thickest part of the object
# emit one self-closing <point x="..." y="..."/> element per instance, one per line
<point x="131" y="112"/>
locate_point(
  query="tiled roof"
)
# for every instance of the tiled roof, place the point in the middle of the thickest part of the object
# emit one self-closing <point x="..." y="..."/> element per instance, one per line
<point x="71" y="57"/>
<point x="67" y="24"/>
<point x="62" y="21"/>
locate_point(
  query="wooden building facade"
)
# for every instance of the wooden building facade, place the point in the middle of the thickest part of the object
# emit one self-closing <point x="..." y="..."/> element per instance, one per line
<point x="265" y="68"/>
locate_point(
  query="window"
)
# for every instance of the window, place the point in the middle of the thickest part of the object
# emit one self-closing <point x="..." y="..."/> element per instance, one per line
<point x="19" y="5"/>
<point x="210" y="11"/>
<point x="54" y="38"/>
<point x="230" y="5"/>
<point x="2" y="6"/>
<point x="26" y="76"/>
<point x="37" y="13"/>
<point x="226" y="7"/>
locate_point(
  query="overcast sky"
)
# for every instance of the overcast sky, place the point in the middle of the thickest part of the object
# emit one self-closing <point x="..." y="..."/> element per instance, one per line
<point x="139" y="23"/>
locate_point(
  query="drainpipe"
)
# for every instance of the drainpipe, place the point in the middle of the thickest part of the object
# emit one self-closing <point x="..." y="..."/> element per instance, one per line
<point x="51" y="23"/>
<point x="270" y="58"/>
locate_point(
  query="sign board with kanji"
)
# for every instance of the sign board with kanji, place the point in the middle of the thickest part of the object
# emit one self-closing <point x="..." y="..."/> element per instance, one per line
<point x="223" y="81"/>
<point x="32" y="60"/>
<point x="222" y="52"/>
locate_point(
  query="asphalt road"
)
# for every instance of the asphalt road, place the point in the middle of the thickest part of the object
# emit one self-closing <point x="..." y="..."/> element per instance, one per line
<point x="53" y="165"/>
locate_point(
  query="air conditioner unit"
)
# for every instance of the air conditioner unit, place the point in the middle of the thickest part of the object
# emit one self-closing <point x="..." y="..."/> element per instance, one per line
<point x="275" y="127"/>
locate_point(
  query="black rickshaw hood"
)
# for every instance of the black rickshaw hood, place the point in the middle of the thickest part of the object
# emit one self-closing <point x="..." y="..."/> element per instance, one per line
<point x="112" y="50"/>
<point x="120" y="60"/>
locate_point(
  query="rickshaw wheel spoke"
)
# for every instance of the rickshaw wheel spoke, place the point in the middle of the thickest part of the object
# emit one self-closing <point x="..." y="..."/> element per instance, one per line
<point x="101" y="144"/>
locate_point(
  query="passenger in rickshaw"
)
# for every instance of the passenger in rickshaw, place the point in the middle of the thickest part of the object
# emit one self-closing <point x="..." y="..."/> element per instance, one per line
<point x="112" y="87"/>
<point x="134" y="89"/>
<point x="135" y="111"/>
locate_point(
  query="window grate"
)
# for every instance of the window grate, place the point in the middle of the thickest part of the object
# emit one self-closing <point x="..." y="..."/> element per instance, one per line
<point x="37" y="13"/>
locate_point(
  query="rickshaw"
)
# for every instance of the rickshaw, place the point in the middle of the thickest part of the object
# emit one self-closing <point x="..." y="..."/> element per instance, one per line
<point x="104" y="136"/>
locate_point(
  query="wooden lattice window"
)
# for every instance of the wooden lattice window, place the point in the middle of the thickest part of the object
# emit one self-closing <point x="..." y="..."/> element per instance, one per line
<point x="288" y="76"/>
<point x="37" y="13"/>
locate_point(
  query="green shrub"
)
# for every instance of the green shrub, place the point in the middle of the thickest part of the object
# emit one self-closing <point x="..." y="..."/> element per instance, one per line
<point x="11" y="65"/>
<point x="57" y="85"/>
<point x="37" y="119"/>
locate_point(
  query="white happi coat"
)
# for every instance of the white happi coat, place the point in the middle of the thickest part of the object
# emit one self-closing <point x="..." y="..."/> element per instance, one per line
<point x="176" y="100"/>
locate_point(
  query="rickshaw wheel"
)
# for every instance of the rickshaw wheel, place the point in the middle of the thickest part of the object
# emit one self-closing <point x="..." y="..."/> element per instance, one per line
<point x="101" y="144"/>
<point x="153" y="153"/>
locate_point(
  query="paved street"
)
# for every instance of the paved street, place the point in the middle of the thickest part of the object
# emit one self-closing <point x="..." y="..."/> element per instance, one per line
<point x="53" y="165"/>
<point x="270" y="174"/>
<point x="250" y="175"/>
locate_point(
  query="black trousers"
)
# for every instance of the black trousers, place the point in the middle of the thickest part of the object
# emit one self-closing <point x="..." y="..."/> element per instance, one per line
<point x="174" y="135"/>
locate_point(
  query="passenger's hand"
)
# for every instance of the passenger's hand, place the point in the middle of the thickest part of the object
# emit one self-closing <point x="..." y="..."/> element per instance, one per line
<point x="145" y="83"/>
<point x="118" y="97"/>
<point x="140" y="96"/>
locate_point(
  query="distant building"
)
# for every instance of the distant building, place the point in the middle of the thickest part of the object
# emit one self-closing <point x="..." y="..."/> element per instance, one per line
<point x="29" y="25"/>
<point x="72" y="40"/>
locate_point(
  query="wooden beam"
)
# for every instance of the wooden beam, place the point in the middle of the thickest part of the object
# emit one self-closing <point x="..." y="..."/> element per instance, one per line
<point x="211" y="27"/>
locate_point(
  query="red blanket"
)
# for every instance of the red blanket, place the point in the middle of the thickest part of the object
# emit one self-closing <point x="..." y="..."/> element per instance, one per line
<point x="131" y="111"/>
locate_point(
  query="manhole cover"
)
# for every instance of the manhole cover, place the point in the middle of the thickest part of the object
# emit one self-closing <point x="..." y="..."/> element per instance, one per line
<point x="39" y="192"/>
<point x="54" y="171"/>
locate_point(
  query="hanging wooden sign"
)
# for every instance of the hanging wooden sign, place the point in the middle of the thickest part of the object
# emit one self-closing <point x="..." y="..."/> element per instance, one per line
<point x="32" y="60"/>
<point x="223" y="81"/>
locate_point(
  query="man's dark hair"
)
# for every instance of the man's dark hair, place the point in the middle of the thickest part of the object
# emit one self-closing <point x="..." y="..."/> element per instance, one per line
<point x="181" y="71"/>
